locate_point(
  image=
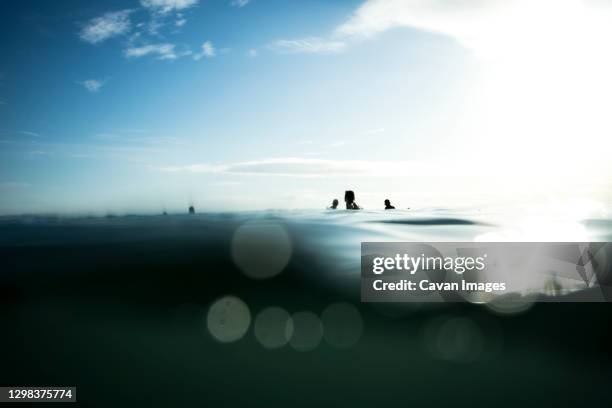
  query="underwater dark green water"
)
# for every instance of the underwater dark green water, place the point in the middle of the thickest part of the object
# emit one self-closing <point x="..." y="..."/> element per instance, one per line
<point x="168" y="311"/>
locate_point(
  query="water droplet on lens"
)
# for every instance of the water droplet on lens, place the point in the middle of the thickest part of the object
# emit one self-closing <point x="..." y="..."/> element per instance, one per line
<point x="261" y="249"/>
<point x="273" y="327"/>
<point x="307" y="331"/>
<point x="228" y="319"/>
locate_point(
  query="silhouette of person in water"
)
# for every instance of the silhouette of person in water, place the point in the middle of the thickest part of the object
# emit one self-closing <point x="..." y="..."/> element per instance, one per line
<point x="334" y="204"/>
<point x="191" y="209"/>
<point x="388" y="205"/>
<point x="349" y="199"/>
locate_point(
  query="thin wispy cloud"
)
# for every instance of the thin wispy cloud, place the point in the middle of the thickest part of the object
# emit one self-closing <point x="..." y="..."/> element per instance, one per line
<point x="39" y="153"/>
<point x="167" y="6"/>
<point x="252" y="53"/>
<point x="193" y="168"/>
<point x="153" y="27"/>
<point x="304" y="142"/>
<point x="239" y="3"/>
<point x="374" y="131"/>
<point x="302" y="167"/>
<point x="163" y="51"/>
<point x="29" y="133"/>
<point x="309" y="45"/>
<point x="109" y="25"/>
<point x="135" y="137"/>
<point x="30" y="136"/>
<point x="92" y="85"/>
<point x="207" y="51"/>
<point x="106" y="136"/>
<point x="143" y="33"/>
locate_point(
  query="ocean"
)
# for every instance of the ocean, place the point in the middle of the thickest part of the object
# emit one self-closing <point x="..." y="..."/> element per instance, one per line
<point x="232" y="309"/>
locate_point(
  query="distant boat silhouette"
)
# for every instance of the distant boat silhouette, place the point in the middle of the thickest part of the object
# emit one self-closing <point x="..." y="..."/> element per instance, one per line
<point x="191" y="209"/>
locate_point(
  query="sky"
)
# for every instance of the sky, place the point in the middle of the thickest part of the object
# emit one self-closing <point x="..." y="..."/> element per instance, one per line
<point x="151" y="105"/>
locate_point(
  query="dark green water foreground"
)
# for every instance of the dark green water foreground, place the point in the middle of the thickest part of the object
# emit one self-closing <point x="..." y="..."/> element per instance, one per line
<point x="117" y="307"/>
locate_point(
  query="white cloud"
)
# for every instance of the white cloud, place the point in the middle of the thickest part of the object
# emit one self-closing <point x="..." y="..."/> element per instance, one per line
<point x="92" y="85"/>
<point x="107" y="26"/>
<point x="181" y="22"/>
<point x="301" y="167"/>
<point x="465" y="20"/>
<point x="239" y="3"/>
<point x="154" y="26"/>
<point x="106" y="136"/>
<point x="456" y="18"/>
<point x="487" y="26"/>
<point x="309" y="45"/>
<point x="29" y="133"/>
<point x="252" y="53"/>
<point x="164" y="51"/>
<point x="194" y="168"/>
<point x="166" y="6"/>
<point x="208" y="51"/>
<point x="374" y="131"/>
<point x="337" y="144"/>
<point x="38" y="153"/>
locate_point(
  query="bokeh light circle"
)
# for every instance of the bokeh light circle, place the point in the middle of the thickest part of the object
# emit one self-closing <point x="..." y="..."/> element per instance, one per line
<point x="307" y="331"/>
<point x="273" y="327"/>
<point x="342" y="325"/>
<point x="261" y="249"/>
<point x="228" y="319"/>
<point x="512" y="304"/>
<point x="454" y="339"/>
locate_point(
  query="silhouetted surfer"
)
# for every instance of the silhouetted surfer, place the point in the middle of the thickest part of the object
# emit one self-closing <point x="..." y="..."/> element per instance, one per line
<point x="388" y="205"/>
<point x="334" y="205"/>
<point x="349" y="198"/>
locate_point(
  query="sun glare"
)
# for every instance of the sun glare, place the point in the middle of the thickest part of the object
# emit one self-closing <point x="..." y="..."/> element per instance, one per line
<point x="540" y="106"/>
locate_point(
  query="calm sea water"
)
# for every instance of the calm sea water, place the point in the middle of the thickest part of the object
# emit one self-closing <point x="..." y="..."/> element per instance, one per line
<point x="175" y="311"/>
<point x="333" y="237"/>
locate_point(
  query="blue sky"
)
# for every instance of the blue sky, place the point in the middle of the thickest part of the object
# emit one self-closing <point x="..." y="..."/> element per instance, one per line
<point x="135" y="106"/>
